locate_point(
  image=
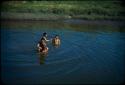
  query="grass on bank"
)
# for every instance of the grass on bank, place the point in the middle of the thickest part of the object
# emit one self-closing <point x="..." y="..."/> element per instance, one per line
<point x="76" y="9"/>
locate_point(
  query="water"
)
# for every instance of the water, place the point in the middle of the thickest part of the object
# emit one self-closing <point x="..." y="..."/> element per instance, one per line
<point x="90" y="52"/>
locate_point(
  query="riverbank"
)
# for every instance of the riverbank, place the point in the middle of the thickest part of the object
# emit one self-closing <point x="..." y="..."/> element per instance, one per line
<point x="32" y="16"/>
<point x="41" y="16"/>
<point x="57" y="10"/>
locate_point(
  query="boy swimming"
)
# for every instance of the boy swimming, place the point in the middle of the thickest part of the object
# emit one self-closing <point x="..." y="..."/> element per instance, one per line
<point x="56" y="40"/>
<point x="44" y="36"/>
<point x="42" y="46"/>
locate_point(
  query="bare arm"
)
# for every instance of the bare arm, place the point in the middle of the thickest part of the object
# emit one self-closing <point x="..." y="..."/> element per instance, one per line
<point x="38" y="45"/>
<point x="46" y="39"/>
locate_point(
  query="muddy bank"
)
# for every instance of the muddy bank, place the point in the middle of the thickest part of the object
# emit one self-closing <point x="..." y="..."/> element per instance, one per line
<point x="51" y="16"/>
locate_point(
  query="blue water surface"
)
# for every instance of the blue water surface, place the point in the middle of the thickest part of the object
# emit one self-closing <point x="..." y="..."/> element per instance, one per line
<point x="82" y="58"/>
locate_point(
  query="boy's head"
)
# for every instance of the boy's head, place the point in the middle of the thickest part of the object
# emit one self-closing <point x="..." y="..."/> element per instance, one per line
<point x="45" y="34"/>
<point x="56" y="36"/>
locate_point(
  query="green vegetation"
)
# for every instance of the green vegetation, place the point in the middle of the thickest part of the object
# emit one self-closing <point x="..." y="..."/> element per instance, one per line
<point x="91" y="10"/>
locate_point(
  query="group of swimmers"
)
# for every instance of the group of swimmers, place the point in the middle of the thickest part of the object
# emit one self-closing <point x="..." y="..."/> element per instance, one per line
<point x="42" y="46"/>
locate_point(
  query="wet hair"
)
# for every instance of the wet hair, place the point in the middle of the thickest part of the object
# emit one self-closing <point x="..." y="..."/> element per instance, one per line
<point x="44" y="34"/>
<point x="56" y="35"/>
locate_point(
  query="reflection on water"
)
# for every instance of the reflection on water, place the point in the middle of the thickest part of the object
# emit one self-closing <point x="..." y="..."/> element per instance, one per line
<point x="90" y="52"/>
<point x="42" y="57"/>
<point x="56" y="46"/>
<point x="76" y="25"/>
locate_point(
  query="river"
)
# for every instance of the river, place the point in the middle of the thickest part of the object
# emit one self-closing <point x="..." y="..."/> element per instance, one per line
<point x="91" y="52"/>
